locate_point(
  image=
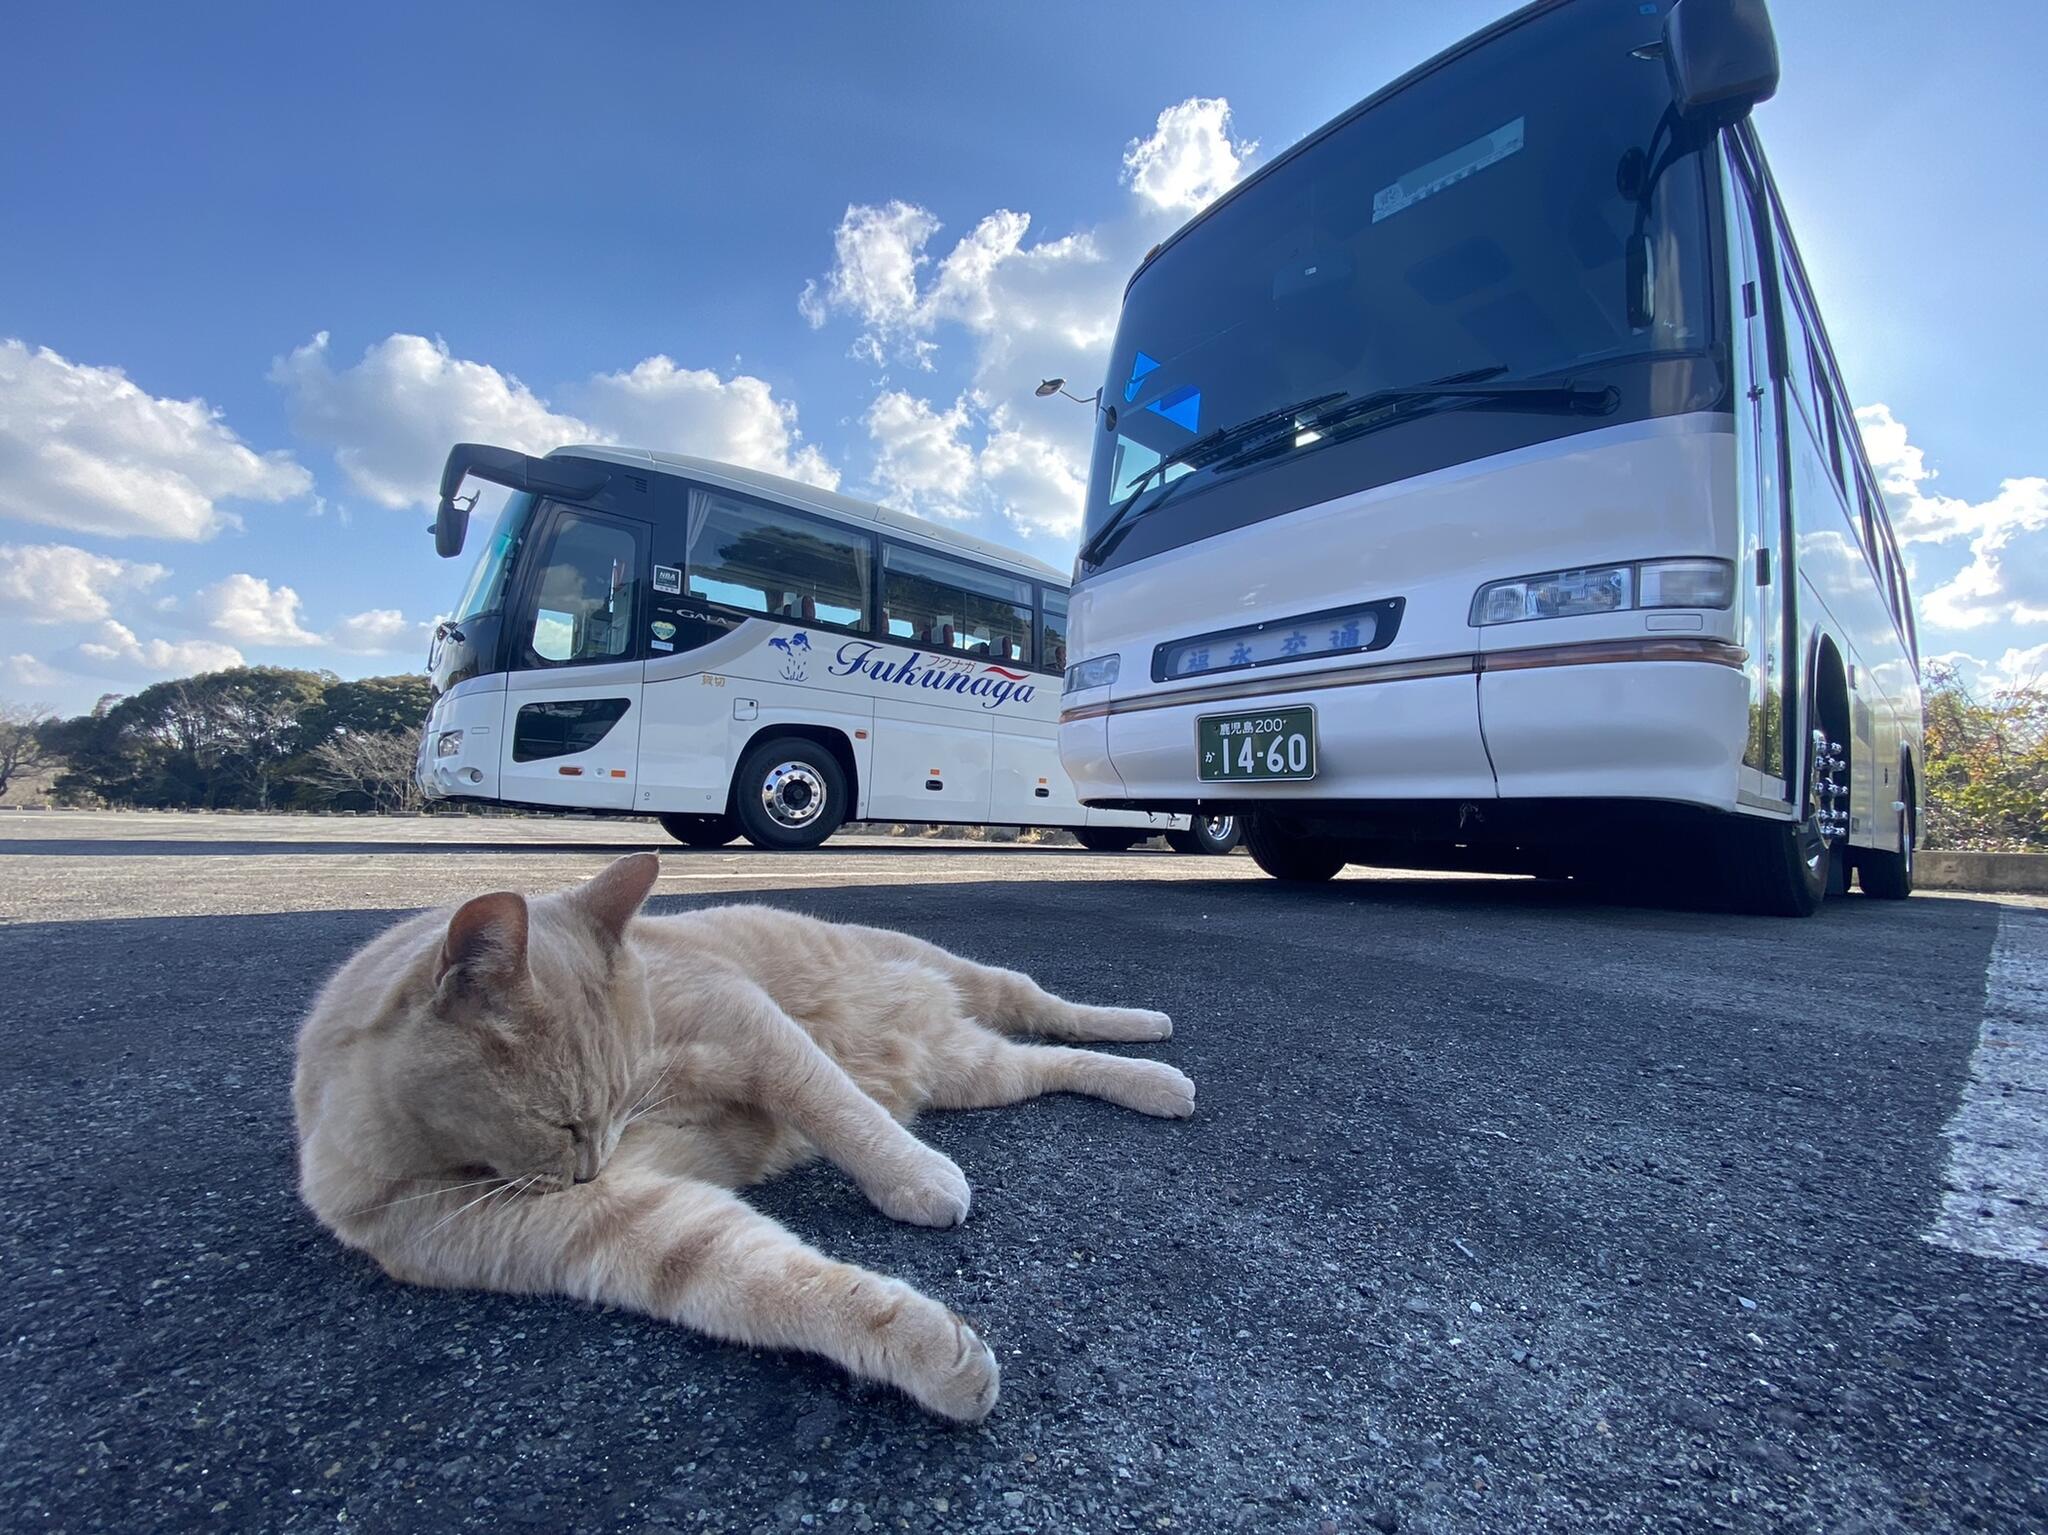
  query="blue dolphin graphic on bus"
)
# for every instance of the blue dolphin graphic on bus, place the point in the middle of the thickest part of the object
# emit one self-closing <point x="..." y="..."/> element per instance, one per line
<point x="796" y="654"/>
<point x="993" y="685"/>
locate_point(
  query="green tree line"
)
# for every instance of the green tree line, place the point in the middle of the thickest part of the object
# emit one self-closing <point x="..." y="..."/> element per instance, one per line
<point x="247" y="738"/>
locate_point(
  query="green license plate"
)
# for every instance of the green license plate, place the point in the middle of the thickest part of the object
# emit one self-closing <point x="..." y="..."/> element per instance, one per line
<point x="1269" y="745"/>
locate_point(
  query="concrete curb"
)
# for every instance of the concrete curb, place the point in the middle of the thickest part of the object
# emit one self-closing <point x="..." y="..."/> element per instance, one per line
<point x="1993" y="873"/>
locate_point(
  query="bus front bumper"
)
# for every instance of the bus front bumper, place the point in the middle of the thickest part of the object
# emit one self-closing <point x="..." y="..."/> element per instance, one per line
<point x="1666" y="729"/>
<point x="458" y="757"/>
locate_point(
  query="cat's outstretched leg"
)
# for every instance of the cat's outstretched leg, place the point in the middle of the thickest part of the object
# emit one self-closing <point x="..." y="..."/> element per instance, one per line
<point x="693" y="1253"/>
<point x="752" y="1052"/>
<point x="1012" y="1003"/>
<point x="976" y="1069"/>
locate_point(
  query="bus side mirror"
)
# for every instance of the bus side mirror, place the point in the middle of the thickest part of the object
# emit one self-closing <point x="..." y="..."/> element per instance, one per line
<point x="451" y="526"/>
<point x="1722" y="58"/>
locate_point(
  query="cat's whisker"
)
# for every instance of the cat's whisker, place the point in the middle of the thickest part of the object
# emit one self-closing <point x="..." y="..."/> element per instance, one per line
<point x="641" y="1102"/>
<point x="502" y="1185"/>
<point x="425" y="1194"/>
<point x="642" y="1114"/>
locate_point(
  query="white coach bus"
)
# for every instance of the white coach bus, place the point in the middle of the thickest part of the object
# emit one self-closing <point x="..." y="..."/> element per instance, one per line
<point x="1475" y="487"/>
<point x="738" y="654"/>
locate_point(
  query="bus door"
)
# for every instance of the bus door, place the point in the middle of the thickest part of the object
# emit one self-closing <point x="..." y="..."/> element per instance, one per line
<point x="573" y="695"/>
<point x="1762" y="581"/>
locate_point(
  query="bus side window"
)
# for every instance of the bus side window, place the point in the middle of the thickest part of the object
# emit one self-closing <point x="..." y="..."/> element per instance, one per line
<point x="1052" y="630"/>
<point x="947" y="604"/>
<point x="775" y="563"/>
<point x="583" y="598"/>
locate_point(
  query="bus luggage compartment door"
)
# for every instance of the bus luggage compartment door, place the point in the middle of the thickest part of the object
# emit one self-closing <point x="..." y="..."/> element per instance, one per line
<point x="572" y="737"/>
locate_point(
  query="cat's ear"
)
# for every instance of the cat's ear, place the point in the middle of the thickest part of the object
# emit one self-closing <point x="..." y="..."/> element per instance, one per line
<point x="486" y="940"/>
<point x="614" y="896"/>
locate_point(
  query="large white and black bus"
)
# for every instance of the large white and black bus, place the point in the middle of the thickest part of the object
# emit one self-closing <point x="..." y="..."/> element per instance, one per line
<point x="1475" y="486"/>
<point x="739" y="654"/>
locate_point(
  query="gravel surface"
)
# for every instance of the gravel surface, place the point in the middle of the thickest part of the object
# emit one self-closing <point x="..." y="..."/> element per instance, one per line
<point x="1501" y="1210"/>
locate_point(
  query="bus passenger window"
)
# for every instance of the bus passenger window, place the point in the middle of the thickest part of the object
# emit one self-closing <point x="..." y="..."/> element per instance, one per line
<point x="762" y="560"/>
<point x="1052" y="631"/>
<point x="583" y="600"/>
<point x="946" y="604"/>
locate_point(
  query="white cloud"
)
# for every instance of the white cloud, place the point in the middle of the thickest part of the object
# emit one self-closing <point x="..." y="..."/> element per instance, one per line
<point x="923" y="463"/>
<point x="926" y="462"/>
<point x="391" y="418"/>
<point x="1921" y="515"/>
<point x="376" y="631"/>
<point x="656" y="404"/>
<point x="83" y="448"/>
<point x="26" y="671"/>
<point x="1190" y="159"/>
<point x="250" y="609"/>
<point x="55" y="583"/>
<point x="1030" y="309"/>
<point x="1036" y="481"/>
<point x="2006" y="578"/>
<point x="877" y="252"/>
<point x="118" y="652"/>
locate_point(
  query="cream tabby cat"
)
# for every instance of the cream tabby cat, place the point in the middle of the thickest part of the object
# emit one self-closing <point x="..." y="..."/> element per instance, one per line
<point x="559" y="1095"/>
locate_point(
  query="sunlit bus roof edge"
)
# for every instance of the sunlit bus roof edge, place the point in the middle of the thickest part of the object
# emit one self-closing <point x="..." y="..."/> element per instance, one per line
<point x="796" y="493"/>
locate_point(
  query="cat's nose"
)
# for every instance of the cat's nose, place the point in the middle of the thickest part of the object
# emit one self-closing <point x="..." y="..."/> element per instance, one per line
<point x="583" y="1177"/>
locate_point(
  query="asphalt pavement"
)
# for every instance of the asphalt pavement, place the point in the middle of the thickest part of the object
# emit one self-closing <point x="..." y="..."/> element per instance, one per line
<point x="1501" y="1209"/>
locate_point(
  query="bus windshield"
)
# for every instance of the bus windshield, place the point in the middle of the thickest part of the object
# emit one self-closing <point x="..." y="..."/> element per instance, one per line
<point x="1531" y="210"/>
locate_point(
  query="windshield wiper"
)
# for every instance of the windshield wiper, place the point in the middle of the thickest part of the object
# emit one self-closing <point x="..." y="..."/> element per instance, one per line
<point x="1249" y="438"/>
<point x="1199" y="453"/>
<point x="1371" y="412"/>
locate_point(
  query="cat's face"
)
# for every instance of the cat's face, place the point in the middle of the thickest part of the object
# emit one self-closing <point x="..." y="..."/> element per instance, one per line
<point x="525" y="1063"/>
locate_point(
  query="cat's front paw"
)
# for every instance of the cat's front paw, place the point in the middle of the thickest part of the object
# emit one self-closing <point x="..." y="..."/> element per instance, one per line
<point x="1155" y="1088"/>
<point x="929" y="1190"/>
<point x="947" y="1367"/>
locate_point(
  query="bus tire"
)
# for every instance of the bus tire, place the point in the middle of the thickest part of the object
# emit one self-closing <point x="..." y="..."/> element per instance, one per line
<point x="1889" y="876"/>
<point x="1287" y="855"/>
<point x="1107" y="839"/>
<point x="789" y="794"/>
<point x="700" y="830"/>
<point x="1207" y="835"/>
<point x="1784" y="868"/>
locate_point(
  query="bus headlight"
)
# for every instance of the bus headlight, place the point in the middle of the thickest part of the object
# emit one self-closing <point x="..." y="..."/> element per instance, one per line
<point x="1098" y="673"/>
<point x="1606" y="589"/>
<point x="448" y="744"/>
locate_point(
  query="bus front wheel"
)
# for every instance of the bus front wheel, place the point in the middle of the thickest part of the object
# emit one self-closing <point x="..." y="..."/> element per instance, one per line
<point x="1286" y="854"/>
<point x="700" y="830"/>
<point x="790" y="795"/>
<point x="1207" y="834"/>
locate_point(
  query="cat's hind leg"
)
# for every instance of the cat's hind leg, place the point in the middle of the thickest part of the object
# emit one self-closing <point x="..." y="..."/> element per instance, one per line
<point x="975" y="1068"/>
<point x="1010" y="1002"/>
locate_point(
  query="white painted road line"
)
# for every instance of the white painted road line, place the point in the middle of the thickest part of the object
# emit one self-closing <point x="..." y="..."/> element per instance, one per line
<point x="1995" y="1196"/>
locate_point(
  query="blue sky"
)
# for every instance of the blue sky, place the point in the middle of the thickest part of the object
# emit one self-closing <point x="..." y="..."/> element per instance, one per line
<point x="262" y="264"/>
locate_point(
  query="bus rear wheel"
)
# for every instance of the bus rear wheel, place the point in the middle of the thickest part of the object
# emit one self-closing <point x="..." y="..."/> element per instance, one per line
<point x="1889" y="876"/>
<point x="1207" y="834"/>
<point x="1104" y="839"/>
<point x="789" y="795"/>
<point x="700" y="830"/>
<point x="1286" y="854"/>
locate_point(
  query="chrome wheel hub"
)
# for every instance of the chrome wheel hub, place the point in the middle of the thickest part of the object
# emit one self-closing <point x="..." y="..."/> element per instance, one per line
<point x="793" y="795"/>
<point x="1219" y="826"/>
